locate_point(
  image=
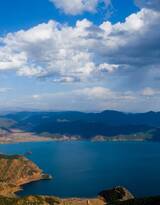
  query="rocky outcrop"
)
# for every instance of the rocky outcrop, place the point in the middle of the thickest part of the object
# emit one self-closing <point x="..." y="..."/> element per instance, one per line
<point x="16" y="171"/>
<point x="115" y="194"/>
<point x="143" y="201"/>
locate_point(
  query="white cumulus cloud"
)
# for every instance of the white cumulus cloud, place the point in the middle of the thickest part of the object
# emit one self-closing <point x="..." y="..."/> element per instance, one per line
<point x="74" y="7"/>
<point x="85" y="52"/>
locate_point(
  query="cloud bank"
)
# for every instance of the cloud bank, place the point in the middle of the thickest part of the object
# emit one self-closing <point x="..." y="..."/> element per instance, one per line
<point x="86" y="52"/>
<point x="96" y="98"/>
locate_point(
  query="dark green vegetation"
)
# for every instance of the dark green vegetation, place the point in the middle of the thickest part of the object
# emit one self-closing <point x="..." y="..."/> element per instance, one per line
<point x="85" y="125"/>
<point x="143" y="201"/>
<point x="121" y="196"/>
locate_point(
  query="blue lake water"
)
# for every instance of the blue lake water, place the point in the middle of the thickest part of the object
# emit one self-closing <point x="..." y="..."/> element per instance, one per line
<point x="83" y="169"/>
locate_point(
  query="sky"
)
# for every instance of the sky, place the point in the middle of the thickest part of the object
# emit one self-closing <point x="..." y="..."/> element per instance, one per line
<point x="85" y="55"/>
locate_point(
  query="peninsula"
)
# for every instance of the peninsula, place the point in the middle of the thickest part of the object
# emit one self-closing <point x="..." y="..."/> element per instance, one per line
<point x="16" y="171"/>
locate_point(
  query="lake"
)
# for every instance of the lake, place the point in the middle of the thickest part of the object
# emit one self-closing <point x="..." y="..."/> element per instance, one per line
<point x="83" y="169"/>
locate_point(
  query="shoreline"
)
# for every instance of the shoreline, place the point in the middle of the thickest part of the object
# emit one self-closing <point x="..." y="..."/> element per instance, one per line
<point x="20" y="136"/>
<point x="20" y="187"/>
<point x="61" y="140"/>
<point x="3" y="142"/>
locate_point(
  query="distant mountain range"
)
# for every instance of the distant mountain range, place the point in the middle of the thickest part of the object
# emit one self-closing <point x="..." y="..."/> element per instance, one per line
<point x="86" y="125"/>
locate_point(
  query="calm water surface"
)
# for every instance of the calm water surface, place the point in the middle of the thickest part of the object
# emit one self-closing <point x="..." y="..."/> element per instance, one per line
<point x="84" y="168"/>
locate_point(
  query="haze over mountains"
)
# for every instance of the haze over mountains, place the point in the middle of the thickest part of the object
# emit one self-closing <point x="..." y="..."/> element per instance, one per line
<point x="85" y="125"/>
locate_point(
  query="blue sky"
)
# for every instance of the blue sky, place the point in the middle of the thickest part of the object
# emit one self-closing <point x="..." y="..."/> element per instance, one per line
<point x="16" y="15"/>
<point x="80" y="55"/>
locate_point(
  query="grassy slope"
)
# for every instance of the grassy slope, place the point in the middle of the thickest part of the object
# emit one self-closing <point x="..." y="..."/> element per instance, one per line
<point x="15" y="171"/>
